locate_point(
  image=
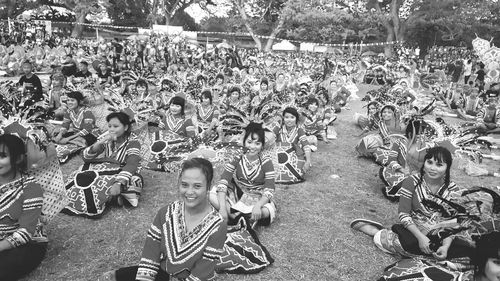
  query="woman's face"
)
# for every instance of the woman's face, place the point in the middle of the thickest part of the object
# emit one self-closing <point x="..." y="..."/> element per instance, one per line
<point x="205" y="101"/>
<point x="434" y="169"/>
<point x="492" y="269"/>
<point x="116" y="128"/>
<point x="253" y="144"/>
<point x="289" y="119"/>
<point x="372" y="109"/>
<point x="387" y="114"/>
<point x="193" y="188"/>
<point x="312" y="107"/>
<point x="5" y="164"/>
<point x="141" y="89"/>
<point x="235" y="95"/>
<point x="175" y="109"/>
<point x="72" y="103"/>
<point x="263" y="86"/>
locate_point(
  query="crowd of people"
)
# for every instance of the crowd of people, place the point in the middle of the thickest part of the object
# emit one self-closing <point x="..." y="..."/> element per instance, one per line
<point x="126" y="106"/>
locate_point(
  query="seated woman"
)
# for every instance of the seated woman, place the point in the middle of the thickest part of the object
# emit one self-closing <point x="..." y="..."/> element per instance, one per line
<point x="246" y="186"/>
<point x="314" y="123"/>
<point x="329" y="111"/>
<point x="186" y="237"/>
<point x="418" y="214"/>
<point x="111" y="170"/>
<point x="294" y="154"/>
<point x="79" y="128"/>
<point x="207" y="116"/>
<point x="21" y="203"/>
<point x="175" y="131"/>
<point x="370" y="121"/>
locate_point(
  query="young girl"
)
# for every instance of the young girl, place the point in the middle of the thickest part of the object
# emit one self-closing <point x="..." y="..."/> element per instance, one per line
<point x="20" y="209"/>
<point x="186" y="237"/>
<point x="247" y="184"/>
<point x="314" y="123"/>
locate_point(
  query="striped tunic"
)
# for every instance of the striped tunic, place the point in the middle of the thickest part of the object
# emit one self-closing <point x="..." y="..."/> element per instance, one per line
<point x="172" y="248"/>
<point x="181" y="126"/>
<point x="413" y="193"/>
<point x="82" y="122"/>
<point x="296" y="136"/>
<point x="20" y="208"/>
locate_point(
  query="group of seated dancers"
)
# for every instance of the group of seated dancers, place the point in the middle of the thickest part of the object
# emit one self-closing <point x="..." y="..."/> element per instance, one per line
<point x="261" y="129"/>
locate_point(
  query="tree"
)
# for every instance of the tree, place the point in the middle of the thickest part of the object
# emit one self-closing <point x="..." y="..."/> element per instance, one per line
<point x="166" y="10"/>
<point x="82" y="8"/>
<point x="129" y="12"/>
<point x="12" y="8"/>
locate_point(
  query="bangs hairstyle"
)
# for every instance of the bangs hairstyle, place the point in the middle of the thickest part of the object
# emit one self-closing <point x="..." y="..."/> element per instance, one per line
<point x="17" y="151"/>
<point x="142" y="82"/>
<point x="487" y="247"/>
<point x="178" y="101"/>
<point x="292" y="111"/>
<point x="206" y="94"/>
<point x="77" y="96"/>
<point x="255" y="129"/>
<point x="199" y="163"/>
<point x="122" y="118"/>
<point x="312" y="100"/>
<point x="440" y="155"/>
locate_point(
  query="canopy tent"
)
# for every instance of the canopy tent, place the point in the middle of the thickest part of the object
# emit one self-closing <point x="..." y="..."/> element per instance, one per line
<point x="46" y="12"/>
<point x="284" y="46"/>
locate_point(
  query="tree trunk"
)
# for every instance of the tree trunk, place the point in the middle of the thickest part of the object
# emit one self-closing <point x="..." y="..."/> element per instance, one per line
<point x="388" y="48"/>
<point x="274" y="33"/>
<point x="78" y="29"/>
<point x="11" y="8"/>
<point x="241" y="9"/>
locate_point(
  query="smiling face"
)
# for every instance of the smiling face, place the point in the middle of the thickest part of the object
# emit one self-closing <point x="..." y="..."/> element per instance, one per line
<point x="72" y="103"/>
<point x="175" y="109"/>
<point x="263" y="86"/>
<point x="253" y="144"/>
<point x="5" y="162"/>
<point x="116" y="128"/>
<point x="387" y="114"/>
<point x="141" y="89"/>
<point x="435" y="169"/>
<point x="205" y="101"/>
<point x="193" y="188"/>
<point x="312" y="107"/>
<point x="289" y="119"/>
<point x="372" y="109"/>
<point x="235" y="95"/>
<point x="492" y="269"/>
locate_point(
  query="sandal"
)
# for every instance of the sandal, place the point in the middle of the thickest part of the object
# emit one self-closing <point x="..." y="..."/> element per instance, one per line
<point x="357" y="224"/>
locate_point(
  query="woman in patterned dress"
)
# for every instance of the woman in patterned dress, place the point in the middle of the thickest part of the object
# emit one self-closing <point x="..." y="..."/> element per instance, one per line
<point x="314" y="123"/>
<point x="418" y="214"/>
<point x="21" y="203"/>
<point x="186" y="237"/>
<point x="207" y="116"/>
<point x="294" y="154"/>
<point x="111" y="170"/>
<point x="79" y="128"/>
<point x="246" y="186"/>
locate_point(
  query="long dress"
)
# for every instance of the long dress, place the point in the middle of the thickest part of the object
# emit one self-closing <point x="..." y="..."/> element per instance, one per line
<point x="169" y="246"/>
<point x="88" y="188"/>
<point x="290" y="147"/>
<point x="81" y="123"/>
<point x="245" y="182"/>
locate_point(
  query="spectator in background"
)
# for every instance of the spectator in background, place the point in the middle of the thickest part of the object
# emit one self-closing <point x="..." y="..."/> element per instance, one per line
<point x="69" y="66"/>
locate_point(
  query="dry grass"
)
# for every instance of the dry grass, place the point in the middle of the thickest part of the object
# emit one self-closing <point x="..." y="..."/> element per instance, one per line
<point x="311" y="239"/>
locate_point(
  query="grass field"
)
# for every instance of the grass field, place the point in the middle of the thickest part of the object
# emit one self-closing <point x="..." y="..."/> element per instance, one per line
<point x="311" y="239"/>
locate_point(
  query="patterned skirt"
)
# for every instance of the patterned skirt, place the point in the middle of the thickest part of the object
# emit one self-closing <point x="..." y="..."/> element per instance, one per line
<point x="393" y="180"/>
<point x="290" y="164"/>
<point x="88" y="189"/>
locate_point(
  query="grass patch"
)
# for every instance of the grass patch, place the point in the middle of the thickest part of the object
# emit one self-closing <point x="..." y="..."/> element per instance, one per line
<point x="310" y="240"/>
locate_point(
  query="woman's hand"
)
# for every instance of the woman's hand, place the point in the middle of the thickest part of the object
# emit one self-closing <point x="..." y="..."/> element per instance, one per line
<point x="423" y="243"/>
<point x="256" y="213"/>
<point x="63" y="141"/>
<point x="116" y="189"/>
<point x="307" y="166"/>
<point x="441" y="253"/>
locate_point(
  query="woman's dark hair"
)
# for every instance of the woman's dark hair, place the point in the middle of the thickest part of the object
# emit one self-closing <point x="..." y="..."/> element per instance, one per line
<point x="199" y="163"/>
<point x="323" y="92"/>
<point x="235" y="89"/>
<point x="264" y="81"/>
<point x="312" y="100"/>
<point x="179" y="101"/>
<point x="441" y="155"/>
<point x="255" y="129"/>
<point x="487" y="246"/>
<point x="374" y="103"/>
<point x="143" y="83"/>
<point x="292" y="111"/>
<point x="123" y="118"/>
<point x="219" y="76"/>
<point x="390" y="106"/>
<point x="77" y="95"/>
<point x="17" y="151"/>
<point x="206" y="94"/>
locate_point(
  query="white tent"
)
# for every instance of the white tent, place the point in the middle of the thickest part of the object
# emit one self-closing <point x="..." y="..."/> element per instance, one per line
<point x="284" y="46"/>
<point x="45" y="11"/>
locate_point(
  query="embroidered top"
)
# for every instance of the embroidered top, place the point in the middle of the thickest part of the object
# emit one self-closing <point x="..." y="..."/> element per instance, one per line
<point x="206" y="115"/>
<point x="413" y="194"/>
<point x="82" y="121"/>
<point x="296" y="136"/>
<point x="128" y="155"/>
<point x="313" y="122"/>
<point x="489" y="115"/>
<point x="256" y="177"/>
<point x="181" y="126"/>
<point x="20" y="208"/>
<point x="172" y="248"/>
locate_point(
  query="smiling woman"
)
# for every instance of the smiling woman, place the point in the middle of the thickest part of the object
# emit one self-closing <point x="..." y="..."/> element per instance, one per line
<point x="186" y="238"/>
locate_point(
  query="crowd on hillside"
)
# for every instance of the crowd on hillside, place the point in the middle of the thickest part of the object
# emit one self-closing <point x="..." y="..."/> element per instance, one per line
<point x="127" y="106"/>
